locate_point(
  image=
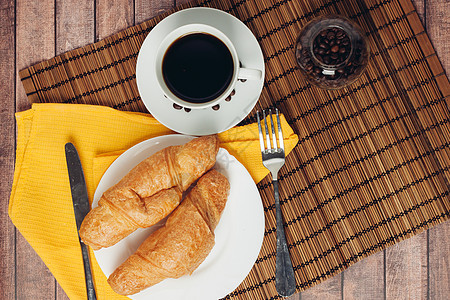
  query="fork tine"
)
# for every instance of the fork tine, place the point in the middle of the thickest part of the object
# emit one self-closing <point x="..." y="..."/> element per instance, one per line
<point x="280" y="133"/>
<point x="261" y="137"/>
<point x="268" y="143"/>
<point x="274" y="137"/>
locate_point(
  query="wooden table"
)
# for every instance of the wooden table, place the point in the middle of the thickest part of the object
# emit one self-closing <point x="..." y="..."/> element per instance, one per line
<point x="32" y="31"/>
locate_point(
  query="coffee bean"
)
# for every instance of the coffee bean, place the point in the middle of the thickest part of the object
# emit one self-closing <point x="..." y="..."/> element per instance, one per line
<point x="332" y="50"/>
<point x="327" y="46"/>
<point x="216" y="107"/>
<point x="177" y="107"/>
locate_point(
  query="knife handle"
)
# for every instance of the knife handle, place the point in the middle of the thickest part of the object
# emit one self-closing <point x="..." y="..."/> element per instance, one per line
<point x="87" y="272"/>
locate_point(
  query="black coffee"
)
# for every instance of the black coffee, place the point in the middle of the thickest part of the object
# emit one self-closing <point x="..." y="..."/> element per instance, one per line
<point x="197" y="67"/>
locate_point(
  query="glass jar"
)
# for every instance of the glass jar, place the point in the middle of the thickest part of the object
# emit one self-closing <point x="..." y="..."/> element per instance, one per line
<point x="332" y="51"/>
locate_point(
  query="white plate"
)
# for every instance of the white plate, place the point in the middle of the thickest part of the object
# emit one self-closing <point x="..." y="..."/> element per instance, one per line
<point x="200" y="121"/>
<point x="239" y="234"/>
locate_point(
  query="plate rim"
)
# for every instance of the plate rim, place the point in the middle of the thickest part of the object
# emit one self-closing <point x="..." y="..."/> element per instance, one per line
<point x="183" y="139"/>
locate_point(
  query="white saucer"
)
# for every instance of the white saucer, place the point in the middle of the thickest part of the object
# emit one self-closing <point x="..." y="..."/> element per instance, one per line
<point x="200" y="121"/>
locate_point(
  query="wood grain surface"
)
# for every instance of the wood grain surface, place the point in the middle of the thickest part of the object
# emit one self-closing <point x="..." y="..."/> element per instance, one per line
<point x="7" y="141"/>
<point x="34" y="42"/>
<point x="32" y="31"/>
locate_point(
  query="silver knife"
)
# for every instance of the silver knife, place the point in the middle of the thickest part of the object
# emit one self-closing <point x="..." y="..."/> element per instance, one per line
<point x="81" y="208"/>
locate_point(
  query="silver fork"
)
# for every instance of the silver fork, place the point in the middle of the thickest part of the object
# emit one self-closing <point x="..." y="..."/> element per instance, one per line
<point x="273" y="159"/>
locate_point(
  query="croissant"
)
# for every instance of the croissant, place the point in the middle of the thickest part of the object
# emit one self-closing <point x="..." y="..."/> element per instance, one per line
<point x="182" y="244"/>
<point x="149" y="192"/>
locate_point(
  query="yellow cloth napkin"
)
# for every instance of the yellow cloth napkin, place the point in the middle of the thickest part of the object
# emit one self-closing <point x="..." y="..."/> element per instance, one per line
<point x="41" y="204"/>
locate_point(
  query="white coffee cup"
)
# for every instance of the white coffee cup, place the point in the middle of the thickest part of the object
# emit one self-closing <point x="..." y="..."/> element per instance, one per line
<point x="238" y="72"/>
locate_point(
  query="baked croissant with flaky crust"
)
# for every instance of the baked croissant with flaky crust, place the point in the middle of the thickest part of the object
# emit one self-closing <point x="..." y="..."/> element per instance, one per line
<point x="182" y="244"/>
<point x="149" y="192"/>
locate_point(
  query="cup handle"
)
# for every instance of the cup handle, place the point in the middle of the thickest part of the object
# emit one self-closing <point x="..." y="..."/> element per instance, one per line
<point x="245" y="73"/>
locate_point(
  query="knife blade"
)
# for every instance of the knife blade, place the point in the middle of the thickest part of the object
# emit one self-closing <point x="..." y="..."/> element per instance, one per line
<point x="81" y="207"/>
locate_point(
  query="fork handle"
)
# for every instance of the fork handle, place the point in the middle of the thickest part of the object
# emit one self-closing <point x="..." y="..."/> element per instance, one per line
<point x="284" y="273"/>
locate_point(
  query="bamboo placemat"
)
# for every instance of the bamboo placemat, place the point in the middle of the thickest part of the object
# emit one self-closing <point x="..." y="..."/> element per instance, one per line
<point x="372" y="164"/>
